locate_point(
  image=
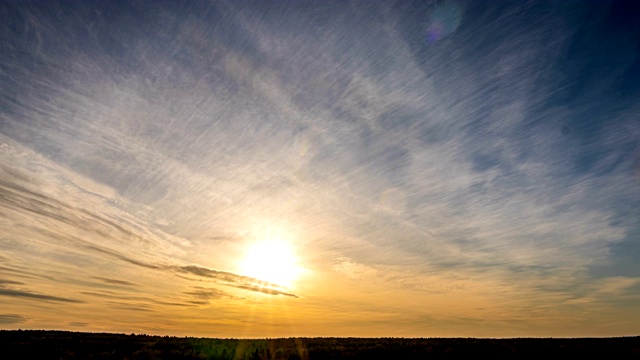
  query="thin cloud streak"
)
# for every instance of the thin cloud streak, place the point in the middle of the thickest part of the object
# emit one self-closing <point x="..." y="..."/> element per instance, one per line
<point x="238" y="281"/>
<point x="12" y="319"/>
<point x="115" y="281"/>
<point x="35" y="296"/>
<point x="265" y="290"/>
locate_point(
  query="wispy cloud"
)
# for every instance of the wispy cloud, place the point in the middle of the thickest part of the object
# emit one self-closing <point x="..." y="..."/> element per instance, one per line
<point x="352" y="268"/>
<point x="122" y="257"/>
<point x="238" y="281"/>
<point x="9" y="282"/>
<point x="35" y="296"/>
<point x="169" y="301"/>
<point x="204" y="295"/>
<point x="115" y="281"/>
<point x="131" y="307"/>
<point x="213" y="274"/>
<point x="265" y="290"/>
<point x="12" y="319"/>
<point x="78" y="323"/>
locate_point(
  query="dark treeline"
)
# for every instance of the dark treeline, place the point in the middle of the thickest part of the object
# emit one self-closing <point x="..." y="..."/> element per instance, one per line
<point x="40" y="344"/>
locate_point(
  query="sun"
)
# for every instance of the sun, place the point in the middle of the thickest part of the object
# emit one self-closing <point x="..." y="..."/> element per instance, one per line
<point x="273" y="261"/>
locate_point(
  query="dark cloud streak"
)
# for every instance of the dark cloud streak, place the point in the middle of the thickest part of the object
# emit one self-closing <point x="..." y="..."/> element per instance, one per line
<point x="265" y="290"/>
<point x="231" y="279"/>
<point x="35" y="296"/>
<point x="78" y="323"/>
<point x="10" y="282"/>
<point x="217" y="274"/>
<point x="206" y="294"/>
<point x="12" y="319"/>
<point x="238" y="281"/>
<point x="121" y="257"/>
<point x="128" y="297"/>
<point x="115" y="281"/>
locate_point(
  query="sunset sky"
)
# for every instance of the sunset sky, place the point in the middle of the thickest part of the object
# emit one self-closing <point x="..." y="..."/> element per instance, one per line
<point x="320" y="168"/>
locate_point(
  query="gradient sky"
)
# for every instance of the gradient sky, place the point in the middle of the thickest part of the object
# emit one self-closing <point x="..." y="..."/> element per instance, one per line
<point x="438" y="168"/>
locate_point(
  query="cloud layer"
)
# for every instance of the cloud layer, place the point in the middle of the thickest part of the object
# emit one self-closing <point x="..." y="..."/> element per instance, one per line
<point x="457" y="154"/>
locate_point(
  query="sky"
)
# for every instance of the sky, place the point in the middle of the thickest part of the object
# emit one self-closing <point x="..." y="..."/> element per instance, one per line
<point x="321" y="168"/>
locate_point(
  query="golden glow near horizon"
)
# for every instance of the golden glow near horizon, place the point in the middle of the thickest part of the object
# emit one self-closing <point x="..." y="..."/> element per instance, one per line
<point x="271" y="260"/>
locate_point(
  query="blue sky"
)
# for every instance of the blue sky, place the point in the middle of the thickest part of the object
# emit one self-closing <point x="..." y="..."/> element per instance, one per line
<point x="439" y="168"/>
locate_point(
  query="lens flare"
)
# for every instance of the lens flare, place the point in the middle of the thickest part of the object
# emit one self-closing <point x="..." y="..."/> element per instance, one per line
<point x="443" y="21"/>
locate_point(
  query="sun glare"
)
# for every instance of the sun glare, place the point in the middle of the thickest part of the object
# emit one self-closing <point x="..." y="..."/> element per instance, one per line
<point x="273" y="261"/>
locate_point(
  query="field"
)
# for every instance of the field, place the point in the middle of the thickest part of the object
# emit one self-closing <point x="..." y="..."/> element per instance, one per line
<point x="37" y="344"/>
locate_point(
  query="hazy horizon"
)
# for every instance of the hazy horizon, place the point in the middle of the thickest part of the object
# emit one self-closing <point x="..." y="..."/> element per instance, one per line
<point x="252" y="169"/>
